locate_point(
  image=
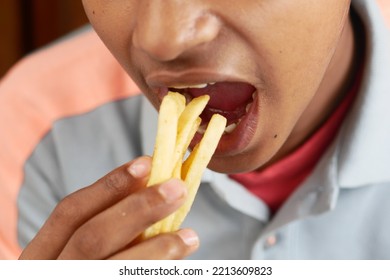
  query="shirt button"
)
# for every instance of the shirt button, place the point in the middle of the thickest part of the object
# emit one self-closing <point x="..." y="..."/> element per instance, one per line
<point x="270" y="241"/>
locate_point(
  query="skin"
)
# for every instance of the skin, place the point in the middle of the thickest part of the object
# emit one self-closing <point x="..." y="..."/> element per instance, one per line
<point x="97" y="222"/>
<point x="298" y="54"/>
<point x="283" y="48"/>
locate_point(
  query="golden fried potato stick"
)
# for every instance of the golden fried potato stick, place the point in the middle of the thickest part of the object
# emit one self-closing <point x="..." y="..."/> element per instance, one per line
<point x="196" y="164"/>
<point x="182" y="124"/>
<point x="162" y="165"/>
<point x="188" y="124"/>
<point x="182" y="146"/>
<point x="170" y="110"/>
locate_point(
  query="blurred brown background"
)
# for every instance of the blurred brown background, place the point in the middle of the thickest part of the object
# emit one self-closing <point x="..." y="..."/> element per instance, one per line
<point x="29" y="24"/>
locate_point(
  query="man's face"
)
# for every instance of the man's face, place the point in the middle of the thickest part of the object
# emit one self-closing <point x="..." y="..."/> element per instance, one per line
<point x="264" y="62"/>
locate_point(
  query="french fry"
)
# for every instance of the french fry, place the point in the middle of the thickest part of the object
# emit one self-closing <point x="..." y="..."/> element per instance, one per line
<point x="196" y="164"/>
<point x="182" y="147"/>
<point x="162" y="167"/>
<point x="170" y="110"/>
<point x="188" y="124"/>
<point x="177" y="126"/>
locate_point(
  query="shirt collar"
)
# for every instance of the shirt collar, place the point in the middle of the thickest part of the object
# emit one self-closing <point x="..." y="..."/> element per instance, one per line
<point x="363" y="144"/>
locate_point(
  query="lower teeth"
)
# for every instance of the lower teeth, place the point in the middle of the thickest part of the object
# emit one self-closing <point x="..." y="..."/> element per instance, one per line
<point x="230" y="128"/>
<point x="248" y="107"/>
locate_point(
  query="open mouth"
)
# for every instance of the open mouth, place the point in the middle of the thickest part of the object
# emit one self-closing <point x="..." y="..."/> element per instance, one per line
<point x="232" y="100"/>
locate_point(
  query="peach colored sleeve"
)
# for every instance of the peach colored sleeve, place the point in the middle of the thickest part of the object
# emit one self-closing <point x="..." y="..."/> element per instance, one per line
<point x="68" y="78"/>
<point x="385" y="8"/>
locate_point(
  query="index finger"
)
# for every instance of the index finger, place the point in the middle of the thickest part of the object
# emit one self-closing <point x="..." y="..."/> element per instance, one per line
<point x="75" y="209"/>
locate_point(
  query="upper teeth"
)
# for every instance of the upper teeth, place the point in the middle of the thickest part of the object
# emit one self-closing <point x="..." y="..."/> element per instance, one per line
<point x="193" y="86"/>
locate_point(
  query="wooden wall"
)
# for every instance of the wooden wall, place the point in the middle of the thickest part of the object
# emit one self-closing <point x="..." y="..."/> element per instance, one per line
<point x="29" y="24"/>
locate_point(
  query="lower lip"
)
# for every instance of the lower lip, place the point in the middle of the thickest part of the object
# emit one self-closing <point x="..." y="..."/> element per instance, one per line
<point x="236" y="141"/>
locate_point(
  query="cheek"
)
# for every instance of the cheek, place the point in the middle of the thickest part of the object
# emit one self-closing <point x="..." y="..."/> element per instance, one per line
<point x="113" y="21"/>
<point x="293" y="59"/>
<point x="296" y="55"/>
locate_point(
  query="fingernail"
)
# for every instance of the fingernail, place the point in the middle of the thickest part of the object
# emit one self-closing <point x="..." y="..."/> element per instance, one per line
<point x="189" y="237"/>
<point x="172" y="190"/>
<point x="140" y="167"/>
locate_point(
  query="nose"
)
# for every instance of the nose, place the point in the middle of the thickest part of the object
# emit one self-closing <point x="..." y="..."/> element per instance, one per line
<point x="166" y="29"/>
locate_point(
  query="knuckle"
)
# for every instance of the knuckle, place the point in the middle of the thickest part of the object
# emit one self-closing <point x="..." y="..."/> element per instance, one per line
<point x="69" y="209"/>
<point x="88" y="243"/>
<point x="115" y="183"/>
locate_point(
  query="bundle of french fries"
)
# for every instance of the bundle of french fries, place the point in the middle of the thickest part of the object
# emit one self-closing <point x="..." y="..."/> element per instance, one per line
<point x="177" y="125"/>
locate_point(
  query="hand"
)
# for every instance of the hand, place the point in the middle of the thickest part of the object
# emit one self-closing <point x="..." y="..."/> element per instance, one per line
<point x="104" y="220"/>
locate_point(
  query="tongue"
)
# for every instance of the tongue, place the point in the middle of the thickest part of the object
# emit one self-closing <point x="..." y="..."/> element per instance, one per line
<point x="225" y="96"/>
<point x="227" y="99"/>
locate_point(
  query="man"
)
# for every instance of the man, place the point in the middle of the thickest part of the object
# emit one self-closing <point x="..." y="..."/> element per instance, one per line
<point x="305" y="153"/>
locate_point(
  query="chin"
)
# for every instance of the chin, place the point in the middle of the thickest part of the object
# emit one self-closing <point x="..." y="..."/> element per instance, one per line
<point x="232" y="165"/>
